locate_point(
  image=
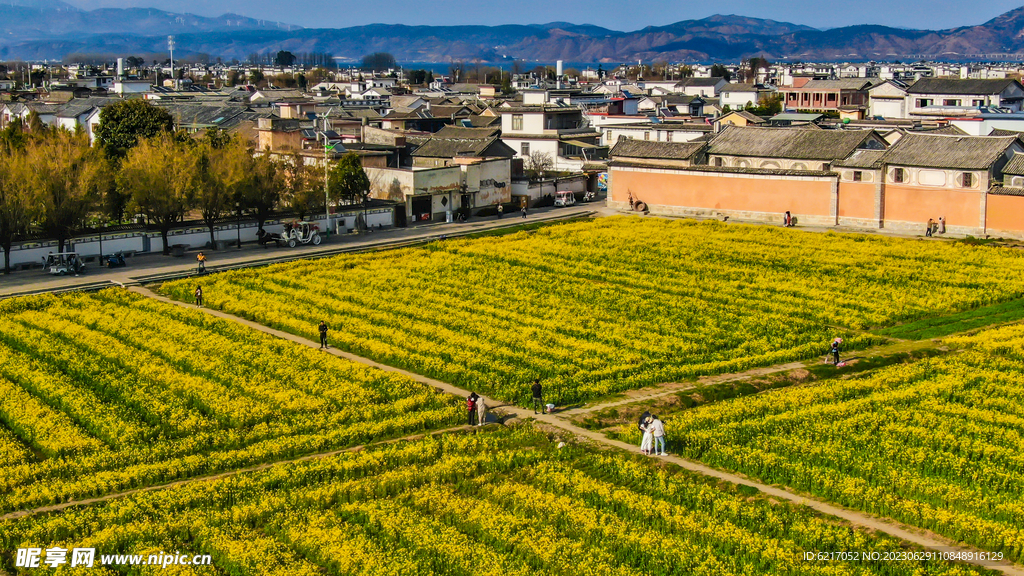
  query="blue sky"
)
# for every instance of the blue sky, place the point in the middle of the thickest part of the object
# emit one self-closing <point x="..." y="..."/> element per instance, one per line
<point x="614" y="14"/>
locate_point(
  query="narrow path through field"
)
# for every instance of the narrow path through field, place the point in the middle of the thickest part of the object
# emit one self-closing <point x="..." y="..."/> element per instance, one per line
<point x="917" y="536"/>
<point x="207" y="478"/>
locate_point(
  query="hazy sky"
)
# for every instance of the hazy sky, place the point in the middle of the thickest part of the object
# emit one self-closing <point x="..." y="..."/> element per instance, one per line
<point x="614" y="14"/>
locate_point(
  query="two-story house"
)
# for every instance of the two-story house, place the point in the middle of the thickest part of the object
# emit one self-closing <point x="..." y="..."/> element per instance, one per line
<point x="559" y="132"/>
<point x="706" y="87"/>
<point x="953" y="97"/>
<point x="827" y="95"/>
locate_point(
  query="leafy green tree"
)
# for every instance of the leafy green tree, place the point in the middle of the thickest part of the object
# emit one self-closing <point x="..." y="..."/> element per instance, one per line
<point x="222" y="167"/>
<point x="161" y="176"/>
<point x="379" y="62"/>
<point x="304" y="191"/>
<point x="348" y="180"/>
<point x="719" y="71"/>
<point x="123" y="124"/>
<point x="261" y="192"/>
<point x="284" y="58"/>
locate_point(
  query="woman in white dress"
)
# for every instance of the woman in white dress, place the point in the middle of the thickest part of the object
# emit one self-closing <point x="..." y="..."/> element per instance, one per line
<point x="648" y="440"/>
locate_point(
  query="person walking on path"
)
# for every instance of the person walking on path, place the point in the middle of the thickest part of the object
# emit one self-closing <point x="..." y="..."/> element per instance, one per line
<point x="481" y="411"/>
<point x="931" y="224"/>
<point x="658" y="430"/>
<point x="524" y="211"/>
<point x="201" y="259"/>
<point x="538" y="396"/>
<point x="471" y="408"/>
<point x="323" y="334"/>
<point x="501" y="210"/>
<point x="199" y="296"/>
<point x="648" y="439"/>
<point x="835" y="351"/>
<point x="942" y="224"/>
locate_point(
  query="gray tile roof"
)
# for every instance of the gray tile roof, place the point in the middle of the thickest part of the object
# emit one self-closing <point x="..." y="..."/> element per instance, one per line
<point x="949" y="152"/>
<point x="866" y="159"/>
<point x="1015" y="166"/>
<point x="1006" y="191"/>
<point x="459" y="132"/>
<point x="957" y="86"/>
<point x="841" y="84"/>
<point x="686" y="82"/>
<point x="629" y="148"/>
<point x="473" y="147"/>
<point x="825" y="145"/>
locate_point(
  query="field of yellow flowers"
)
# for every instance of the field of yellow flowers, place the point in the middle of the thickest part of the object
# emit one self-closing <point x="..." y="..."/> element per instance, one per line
<point x="505" y="501"/>
<point x="108" y="391"/>
<point x="596" y="307"/>
<point x="937" y="443"/>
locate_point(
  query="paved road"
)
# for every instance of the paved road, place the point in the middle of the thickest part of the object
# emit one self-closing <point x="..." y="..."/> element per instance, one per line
<point x="145" y="266"/>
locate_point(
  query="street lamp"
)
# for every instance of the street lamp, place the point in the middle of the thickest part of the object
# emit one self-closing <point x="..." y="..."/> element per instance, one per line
<point x="238" y="223"/>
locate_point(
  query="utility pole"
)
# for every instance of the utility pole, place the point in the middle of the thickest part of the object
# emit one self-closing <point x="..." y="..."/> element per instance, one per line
<point x="327" y="196"/>
<point x="170" y="47"/>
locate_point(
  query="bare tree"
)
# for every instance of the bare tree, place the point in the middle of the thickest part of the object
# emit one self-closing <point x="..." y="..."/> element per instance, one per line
<point x="538" y="163"/>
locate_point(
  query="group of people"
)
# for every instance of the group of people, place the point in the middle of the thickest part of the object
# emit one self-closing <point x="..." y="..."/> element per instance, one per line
<point x="787" y="220"/>
<point x="653" y="430"/>
<point x="477" y="409"/>
<point x="933" y="227"/>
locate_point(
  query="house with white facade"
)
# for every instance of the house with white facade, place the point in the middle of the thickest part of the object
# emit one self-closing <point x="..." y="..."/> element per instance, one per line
<point x="706" y="87"/>
<point x="737" y="96"/>
<point x="888" y="100"/>
<point x="955" y="97"/>
<point x="560" y="132"/>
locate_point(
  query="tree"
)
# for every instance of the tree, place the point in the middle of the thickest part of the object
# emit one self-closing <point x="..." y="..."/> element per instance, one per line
<point x="348" y="181"/>
<point x="66" y="176"/>
<point x="134" y="62"/>
<point x="160" y="176"/>
<point x="222" y="166"/>
<point x="233" y="77"/>
<point x="719" y="71"/>
<point x="124" y="123"/>
<point x="261" y="192"/>
<point x="15" y="211"/>
<point x="379" y="62"/>
<point x="686" y="72"/>
<point x="303" y="189"/>
<point x="538" y="163"/>
<point x="284" y="58"/>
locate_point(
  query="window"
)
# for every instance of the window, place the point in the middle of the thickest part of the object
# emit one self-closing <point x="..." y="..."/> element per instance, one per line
<point x="923" y="102"/>
<point x="647" y="135"/>
<point x="978" y="103"/>
<point x="967" y="179"/>
<point x="831" y="97"/>
<point x="668" y="136"/>
<point x="517" y="121"/>
<point x="858" y="176"/>
<point x="718" y="162"/>
<point x="949" y="102"/>
<point x="898" y="175"/>
<point x="524" y="149"/>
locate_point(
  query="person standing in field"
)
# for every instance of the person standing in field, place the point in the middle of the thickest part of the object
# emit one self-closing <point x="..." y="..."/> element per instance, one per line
<point x="648" y="439"/>
<point x="658" y="430"/>
<point x="481" y="411"/>
<point x="931" y="224"/>
<point x="501" y="210"/>
<point x="640" y="426"/>
<point x="471" y="408"/>
<point x="835" y="351"/>
<point x="323" y="335"/>
<point x="199" y="296"/>
<point x="538" y="395"/>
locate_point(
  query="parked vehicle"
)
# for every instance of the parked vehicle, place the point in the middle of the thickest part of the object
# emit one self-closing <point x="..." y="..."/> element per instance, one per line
<point x="565" y="198"/>
<point x="116" y="260"/>
<point x="590" y="196"/>
<point x="263" y="238"/>
<point x="63" y="263"/>
<point x="297" y="233"/>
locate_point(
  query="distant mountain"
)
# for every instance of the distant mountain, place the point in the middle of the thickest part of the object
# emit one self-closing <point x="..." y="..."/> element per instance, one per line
<point x="50" y="29"/>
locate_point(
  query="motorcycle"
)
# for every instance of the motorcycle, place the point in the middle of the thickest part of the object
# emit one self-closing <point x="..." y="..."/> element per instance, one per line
<point x="116" y="260"/>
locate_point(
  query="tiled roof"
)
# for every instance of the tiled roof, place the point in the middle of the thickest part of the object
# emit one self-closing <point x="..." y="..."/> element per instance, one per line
<point x="1015" y="166"/>
<point x="841" y="84"/>
<point x="949" y="152"/>
<point x="826" y="145"/>
<point x="473" y="147"/>
<point x="863" y="159"/>
<point x="459" y="132"/>
<point x="956" y="86"/>
<point x="686" y="82"/>
<point x="630" y="148"/>
<point x="1006" y="191"/>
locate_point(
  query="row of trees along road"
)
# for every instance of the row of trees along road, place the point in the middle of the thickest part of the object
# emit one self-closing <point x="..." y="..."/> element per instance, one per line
<point x="53" y="183"/>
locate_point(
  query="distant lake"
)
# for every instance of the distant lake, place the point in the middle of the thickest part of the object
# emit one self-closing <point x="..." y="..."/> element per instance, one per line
<point x="506" y="65"/>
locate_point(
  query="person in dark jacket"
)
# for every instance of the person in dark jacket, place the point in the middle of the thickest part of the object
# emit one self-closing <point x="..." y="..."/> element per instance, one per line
<point x="471" y="408"/>
<point x="835" y="352"/>
<point x="323" y="334"/>
<point x="199" y="296"/>
<point x="538" y="396"/>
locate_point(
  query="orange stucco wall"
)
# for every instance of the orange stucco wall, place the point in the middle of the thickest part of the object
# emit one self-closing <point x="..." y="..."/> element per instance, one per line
<point x="918" y="204"/>
<point x="857" y="199"/>
<point x="724" y="192"/>
<point x="1005" y="213"/>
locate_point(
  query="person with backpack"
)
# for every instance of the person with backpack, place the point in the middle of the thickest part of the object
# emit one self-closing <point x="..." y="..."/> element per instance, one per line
<point x="835" y="351"/>
<point x="538" y="397"/>
<point x="199" y="296"/>
<point x="471" y="408"/>
<point x="658" y="431"/>
<point x="323" y="335"/>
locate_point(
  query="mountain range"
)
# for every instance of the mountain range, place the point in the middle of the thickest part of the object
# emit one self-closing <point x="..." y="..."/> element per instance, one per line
<point x="51" y="29"/>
